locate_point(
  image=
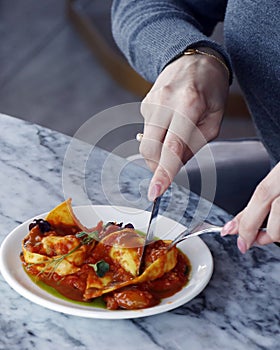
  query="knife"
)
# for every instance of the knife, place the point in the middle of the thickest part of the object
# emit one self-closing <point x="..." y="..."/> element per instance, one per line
<point x="151" y="228"/>
<point x="152" y="223"/>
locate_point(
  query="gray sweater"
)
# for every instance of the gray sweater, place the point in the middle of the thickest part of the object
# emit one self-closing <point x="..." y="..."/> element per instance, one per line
<point x="151" y="33"/>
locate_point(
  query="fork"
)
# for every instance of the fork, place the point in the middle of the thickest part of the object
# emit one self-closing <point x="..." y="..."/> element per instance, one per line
<point x="198" y="230"/>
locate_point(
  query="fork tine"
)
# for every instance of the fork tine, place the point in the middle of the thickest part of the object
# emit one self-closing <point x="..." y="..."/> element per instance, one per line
<point x="197" y="230"/>
<point x="205" y="225"/>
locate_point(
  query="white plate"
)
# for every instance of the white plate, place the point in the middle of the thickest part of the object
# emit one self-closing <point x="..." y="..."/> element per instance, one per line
<point x="196" y="250"/>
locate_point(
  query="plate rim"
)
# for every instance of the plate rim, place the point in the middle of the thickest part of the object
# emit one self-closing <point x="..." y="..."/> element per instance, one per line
<point x="96" y="313"/>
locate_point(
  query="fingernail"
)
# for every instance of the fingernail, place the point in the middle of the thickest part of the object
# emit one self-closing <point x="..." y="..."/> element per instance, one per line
<point x="241" y="244"/>
<point x="154" y="192"/>
<point x="228" y="228"/>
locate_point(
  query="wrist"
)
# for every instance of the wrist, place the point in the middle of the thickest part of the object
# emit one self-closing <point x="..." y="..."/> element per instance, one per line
<point x="207" y="51"/>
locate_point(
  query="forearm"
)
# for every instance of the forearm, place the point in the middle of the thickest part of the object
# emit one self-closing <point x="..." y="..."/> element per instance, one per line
<point x="152" y="33"/>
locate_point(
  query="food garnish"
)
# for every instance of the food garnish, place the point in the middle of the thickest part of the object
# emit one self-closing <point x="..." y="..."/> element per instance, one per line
<point x="84" y="263"/>
<point x="101" y="267"/>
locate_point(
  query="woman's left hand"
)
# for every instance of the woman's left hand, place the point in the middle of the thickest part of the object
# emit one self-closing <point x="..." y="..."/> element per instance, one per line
<point x="264" y="203"/>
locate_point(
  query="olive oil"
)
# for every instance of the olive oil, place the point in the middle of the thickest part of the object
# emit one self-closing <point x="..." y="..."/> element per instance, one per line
<point x="96" y="303"/>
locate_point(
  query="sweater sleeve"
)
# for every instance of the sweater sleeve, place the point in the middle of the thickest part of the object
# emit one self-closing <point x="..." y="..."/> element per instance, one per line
<point x="153" y="33"/>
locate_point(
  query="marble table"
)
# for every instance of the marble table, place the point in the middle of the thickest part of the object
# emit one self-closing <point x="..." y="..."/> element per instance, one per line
<point x="239" y="308"/>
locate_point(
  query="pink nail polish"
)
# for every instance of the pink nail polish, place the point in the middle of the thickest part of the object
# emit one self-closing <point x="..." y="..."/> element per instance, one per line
<point x="228" y="228"/>
<point x="154" y="192"/>
<point x="242" y="246"/>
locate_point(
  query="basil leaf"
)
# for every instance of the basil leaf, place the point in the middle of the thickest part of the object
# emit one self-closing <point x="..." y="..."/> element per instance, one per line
<point x="101" y="267"/>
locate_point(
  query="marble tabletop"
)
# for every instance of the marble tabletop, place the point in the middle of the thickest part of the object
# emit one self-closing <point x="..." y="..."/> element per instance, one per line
<point x="239" y="308"/>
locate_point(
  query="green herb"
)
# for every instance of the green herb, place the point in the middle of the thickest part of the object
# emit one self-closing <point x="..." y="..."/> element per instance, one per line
<point x="53" y="264"/>
<point x="101" y="267"/>
<point x="89" y="237"/>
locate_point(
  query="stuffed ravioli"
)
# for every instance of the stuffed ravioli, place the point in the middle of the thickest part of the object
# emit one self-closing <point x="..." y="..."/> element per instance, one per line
<point x="103" y="261"/>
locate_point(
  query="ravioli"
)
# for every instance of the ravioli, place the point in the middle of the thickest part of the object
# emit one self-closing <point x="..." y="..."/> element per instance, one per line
<point x="125" y="249"/>
<point x="54" y="255"/>
<point x="83" y="263"/>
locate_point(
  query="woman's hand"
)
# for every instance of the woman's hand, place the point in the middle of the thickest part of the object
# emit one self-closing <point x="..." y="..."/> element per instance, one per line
<point x="182" y="112"/>
<point x="264" y="203"/>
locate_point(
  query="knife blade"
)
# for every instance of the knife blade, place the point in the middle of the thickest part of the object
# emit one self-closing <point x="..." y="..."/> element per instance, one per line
<point x="152" y="223"/>
<point x="151" y="228"/>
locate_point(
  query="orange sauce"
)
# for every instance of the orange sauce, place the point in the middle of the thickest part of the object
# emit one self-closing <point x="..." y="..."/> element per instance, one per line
<point x="137" y="296"/>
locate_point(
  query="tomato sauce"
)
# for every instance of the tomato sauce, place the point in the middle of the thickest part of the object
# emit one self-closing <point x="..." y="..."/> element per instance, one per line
<point x="73" y="286"/>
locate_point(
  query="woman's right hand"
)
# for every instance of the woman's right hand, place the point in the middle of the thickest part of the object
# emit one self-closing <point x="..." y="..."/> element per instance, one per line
<point x="182" y="112"/>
